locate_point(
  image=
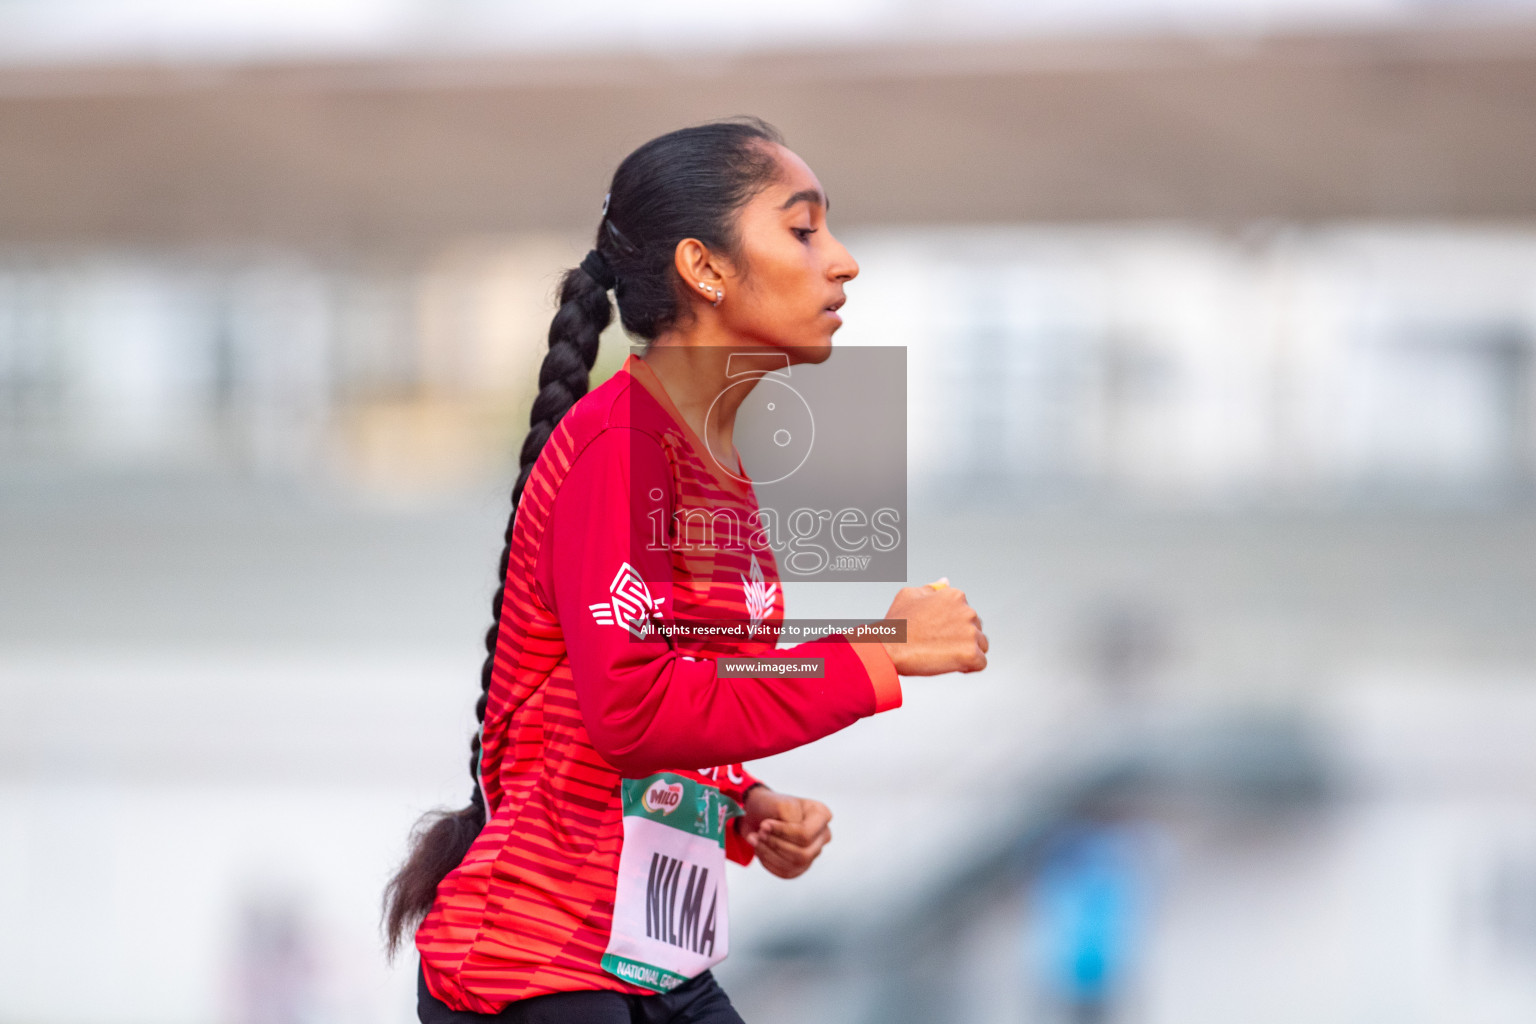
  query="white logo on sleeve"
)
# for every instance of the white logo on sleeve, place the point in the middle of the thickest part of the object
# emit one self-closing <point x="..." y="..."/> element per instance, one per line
<point x="629" y="602"/>
<point x="759" y="594"/>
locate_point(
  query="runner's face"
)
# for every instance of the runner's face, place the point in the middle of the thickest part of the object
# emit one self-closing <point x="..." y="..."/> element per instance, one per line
<point x="795" y="269"/>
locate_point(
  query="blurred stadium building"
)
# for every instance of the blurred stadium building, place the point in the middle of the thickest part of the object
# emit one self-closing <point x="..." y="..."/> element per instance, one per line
<point x="1222" y="409"/>
<point x="1237" y="261"/>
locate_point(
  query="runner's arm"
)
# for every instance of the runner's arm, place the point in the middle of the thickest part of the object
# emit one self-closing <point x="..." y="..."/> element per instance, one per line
<point x="646" y="706"/>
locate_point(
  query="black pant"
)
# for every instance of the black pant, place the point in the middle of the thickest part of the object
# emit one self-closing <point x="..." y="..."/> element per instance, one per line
<point x="699" y="1000"/>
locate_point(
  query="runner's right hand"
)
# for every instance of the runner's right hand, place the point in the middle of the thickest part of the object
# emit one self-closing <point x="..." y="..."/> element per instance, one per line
<point x="943" y="632"/>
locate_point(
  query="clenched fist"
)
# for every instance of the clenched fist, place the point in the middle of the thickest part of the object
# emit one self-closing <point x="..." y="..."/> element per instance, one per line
<point x="787" y="832"/>
<point x="943" y="632"/>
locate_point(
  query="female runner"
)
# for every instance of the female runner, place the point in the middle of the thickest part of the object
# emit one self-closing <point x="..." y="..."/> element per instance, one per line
<point x="584" y="881"/>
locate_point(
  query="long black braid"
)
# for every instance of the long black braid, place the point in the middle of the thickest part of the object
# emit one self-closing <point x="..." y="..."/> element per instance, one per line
<point x="685" y="184"/>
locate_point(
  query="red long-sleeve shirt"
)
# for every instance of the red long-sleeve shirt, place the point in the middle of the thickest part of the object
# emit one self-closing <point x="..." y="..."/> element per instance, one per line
<point x="624" y="520"/>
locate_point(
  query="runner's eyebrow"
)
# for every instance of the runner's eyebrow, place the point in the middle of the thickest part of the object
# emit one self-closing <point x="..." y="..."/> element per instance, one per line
<point x="807" y="195"/>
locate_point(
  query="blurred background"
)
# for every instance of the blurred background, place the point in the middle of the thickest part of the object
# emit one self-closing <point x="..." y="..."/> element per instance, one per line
<point x="1221" y="330"/>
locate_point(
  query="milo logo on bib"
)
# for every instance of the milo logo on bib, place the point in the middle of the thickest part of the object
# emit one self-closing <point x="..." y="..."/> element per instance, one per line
<point x="662" y="798"/>
<point x="669" y="902"/>
<point x="681" y="803"/>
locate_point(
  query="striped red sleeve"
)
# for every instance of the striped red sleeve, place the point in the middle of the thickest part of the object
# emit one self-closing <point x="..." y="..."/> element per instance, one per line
<point x="647" y="706"/>
<point x="882" y="675"/>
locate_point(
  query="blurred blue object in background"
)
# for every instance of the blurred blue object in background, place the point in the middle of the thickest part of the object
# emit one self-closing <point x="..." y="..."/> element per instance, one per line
<point x="1089" y="901"/>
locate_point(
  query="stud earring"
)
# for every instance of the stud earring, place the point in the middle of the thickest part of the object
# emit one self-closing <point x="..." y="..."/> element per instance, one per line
<point x="718" y="294"/>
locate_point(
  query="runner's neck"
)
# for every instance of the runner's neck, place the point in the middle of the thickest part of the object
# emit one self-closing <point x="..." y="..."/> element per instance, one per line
<point x="638" y="368"/>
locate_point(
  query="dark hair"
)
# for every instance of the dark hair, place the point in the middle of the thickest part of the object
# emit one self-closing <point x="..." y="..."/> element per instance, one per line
<point x="688" y="183"/>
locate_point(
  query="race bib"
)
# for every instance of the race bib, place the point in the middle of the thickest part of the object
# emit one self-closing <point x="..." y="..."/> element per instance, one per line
<point x="669" y="911"/>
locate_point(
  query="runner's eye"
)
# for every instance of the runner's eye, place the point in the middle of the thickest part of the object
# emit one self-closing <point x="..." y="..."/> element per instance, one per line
<point x="803" y="233"/>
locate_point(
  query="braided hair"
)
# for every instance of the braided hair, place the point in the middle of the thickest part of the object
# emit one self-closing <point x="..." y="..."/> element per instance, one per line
<point x="689" y="183"/>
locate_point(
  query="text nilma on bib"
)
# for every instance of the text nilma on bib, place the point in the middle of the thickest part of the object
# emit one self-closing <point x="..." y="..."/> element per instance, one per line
<point x="670" y="921"/>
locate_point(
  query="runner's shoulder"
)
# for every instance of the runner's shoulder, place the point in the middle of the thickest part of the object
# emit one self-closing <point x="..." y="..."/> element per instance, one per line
<point x="608" y="412"/>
